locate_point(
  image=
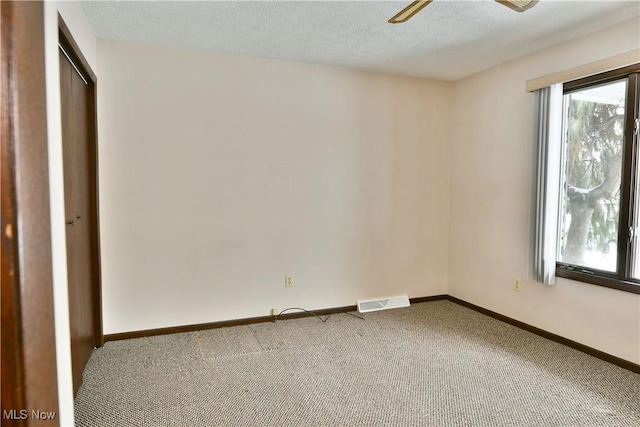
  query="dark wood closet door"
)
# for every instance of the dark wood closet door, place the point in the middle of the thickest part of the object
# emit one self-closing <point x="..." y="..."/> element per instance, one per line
<point x="76" y="140"/>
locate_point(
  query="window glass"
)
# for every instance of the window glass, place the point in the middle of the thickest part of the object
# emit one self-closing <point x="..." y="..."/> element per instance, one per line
<point x="592" y="172"/>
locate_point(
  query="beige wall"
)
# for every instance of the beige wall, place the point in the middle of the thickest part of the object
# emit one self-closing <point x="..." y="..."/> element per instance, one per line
<point x="79" y="27"/>
<point x="490" y="203"/>
<point x="221" y="174"/>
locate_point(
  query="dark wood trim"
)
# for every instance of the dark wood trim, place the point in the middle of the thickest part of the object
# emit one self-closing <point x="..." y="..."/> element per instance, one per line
<point x="600" y="78"/>
<point x="321" y="312"/>
<point x="72" y="49"/>
<point x="551" y="336"/>
<point x="223" y="324"/>
<point x="28" y="333"/>
<point x="185" y="328"/>
<point x="586" y="276"/>
<point x="419" y="300"/>
<point x="13" y="393"/>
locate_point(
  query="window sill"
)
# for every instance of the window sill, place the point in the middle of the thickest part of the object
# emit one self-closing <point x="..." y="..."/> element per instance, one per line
<point x="594" y="279"/>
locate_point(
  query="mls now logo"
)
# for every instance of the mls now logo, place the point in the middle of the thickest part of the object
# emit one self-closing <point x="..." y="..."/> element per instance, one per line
<point x="23" y="414"/>
<point x="14" y="414"/>
<point x="37" y="414"/>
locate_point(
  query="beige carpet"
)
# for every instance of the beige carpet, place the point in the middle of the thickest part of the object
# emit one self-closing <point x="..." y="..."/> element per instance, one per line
<point x="433" y="364"/>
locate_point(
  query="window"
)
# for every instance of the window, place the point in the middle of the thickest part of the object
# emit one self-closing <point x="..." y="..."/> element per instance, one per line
<point x="599" y="204"/>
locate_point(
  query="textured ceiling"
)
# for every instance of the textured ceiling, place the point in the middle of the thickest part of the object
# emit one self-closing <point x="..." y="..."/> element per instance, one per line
<point x="448" y="40"/>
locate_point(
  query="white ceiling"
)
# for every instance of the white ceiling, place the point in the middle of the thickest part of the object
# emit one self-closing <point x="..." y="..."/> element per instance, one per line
<point x="448" y="40"/>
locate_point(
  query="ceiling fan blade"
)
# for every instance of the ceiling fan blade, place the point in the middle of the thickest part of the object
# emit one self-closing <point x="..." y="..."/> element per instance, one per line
<point x="405" y="14"/>
<point x="518" y="5"/>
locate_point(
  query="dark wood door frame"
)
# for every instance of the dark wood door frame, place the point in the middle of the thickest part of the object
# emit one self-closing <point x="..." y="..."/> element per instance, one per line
<point x="71" y="49"/>
<point x="29" y="372"/>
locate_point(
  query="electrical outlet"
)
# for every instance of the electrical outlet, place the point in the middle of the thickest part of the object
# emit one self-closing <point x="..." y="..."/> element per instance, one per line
<point x="288" y="281"/>
<point x="516" y="285"/>
<point x="275" y="311"/>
